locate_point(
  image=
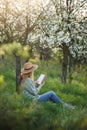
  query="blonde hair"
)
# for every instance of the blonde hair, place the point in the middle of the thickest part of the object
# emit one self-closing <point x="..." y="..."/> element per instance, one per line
<point x="31" y="76"/>
<point x="28" y="75"/>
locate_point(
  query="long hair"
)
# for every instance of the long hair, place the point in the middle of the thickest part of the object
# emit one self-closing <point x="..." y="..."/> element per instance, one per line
<point x="31" y="75"/>
<point x="28" y="75"/>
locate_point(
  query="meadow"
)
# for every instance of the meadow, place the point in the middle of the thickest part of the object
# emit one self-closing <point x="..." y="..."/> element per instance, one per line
<point x="20" y="113"/>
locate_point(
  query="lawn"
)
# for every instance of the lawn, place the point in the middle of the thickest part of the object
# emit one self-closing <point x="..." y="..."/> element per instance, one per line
<point x="18" y="112"/>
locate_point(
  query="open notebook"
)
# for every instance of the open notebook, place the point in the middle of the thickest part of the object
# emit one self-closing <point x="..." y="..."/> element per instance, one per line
<point x="41" y="79"/>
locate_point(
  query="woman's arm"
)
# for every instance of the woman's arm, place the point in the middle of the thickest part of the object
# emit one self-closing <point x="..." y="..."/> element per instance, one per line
<point x="32" y="88"/>
<point x="40" y="86"/>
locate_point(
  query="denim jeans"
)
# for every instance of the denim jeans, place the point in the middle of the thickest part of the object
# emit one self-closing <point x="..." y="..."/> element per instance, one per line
<point x="50" y="96"/>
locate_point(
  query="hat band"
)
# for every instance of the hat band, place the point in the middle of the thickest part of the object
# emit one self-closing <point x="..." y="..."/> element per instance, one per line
<point x="29" y="68"/>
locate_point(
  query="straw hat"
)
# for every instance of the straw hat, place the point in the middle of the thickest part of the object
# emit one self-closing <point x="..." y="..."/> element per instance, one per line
<point x="29" y="67"/>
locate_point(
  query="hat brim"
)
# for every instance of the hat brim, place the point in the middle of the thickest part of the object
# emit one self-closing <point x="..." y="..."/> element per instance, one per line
<point x="34" y="67"/>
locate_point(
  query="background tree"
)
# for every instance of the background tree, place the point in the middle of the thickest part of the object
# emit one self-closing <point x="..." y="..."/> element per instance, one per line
<point x="62" y="27"/>
<point x="53" y="25"/>
<point x="20" y="51"/>
<point x="16" y="23"/>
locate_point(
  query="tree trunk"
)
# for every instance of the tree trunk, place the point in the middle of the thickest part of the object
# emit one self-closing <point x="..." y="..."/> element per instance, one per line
<point x="64" y="63"/>
<point x="71" y="64"/>
<point x="18" y="71"/>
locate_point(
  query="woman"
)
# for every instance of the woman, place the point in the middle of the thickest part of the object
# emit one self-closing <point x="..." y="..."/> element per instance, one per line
<point x="29" y="89"/>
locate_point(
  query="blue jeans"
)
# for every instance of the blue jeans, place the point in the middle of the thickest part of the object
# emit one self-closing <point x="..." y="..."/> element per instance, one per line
<point x="50" y="96"/>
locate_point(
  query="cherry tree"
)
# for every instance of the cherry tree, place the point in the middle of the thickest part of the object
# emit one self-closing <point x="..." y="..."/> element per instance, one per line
<point x="63" y="25"/>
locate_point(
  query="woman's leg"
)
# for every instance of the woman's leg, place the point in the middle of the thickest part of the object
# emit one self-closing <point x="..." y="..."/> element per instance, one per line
<point x="50" y="96"/>
<point x="53" y="97"/>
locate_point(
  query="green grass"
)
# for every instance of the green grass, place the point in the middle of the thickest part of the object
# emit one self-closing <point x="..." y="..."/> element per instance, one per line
<point x="18" y="112"/>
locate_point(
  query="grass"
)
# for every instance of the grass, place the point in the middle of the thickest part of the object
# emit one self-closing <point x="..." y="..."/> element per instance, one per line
<point x="18" y="112"/>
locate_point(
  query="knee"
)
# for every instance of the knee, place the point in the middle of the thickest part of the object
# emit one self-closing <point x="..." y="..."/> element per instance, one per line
<point x="52" y="92"/>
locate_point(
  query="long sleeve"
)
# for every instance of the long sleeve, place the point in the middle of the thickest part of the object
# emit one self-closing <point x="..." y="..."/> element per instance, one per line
<point x="29" y="88"/>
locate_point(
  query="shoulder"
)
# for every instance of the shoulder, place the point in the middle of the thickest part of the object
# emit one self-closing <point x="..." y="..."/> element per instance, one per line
<point x="25" y="80"/>
<point x="28" y="80"/>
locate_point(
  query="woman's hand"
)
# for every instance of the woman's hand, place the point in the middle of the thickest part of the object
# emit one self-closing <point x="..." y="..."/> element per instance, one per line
<point x="42" y="83"/>
<point x="40" y="86"/>
<point x="35" y="82"/>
